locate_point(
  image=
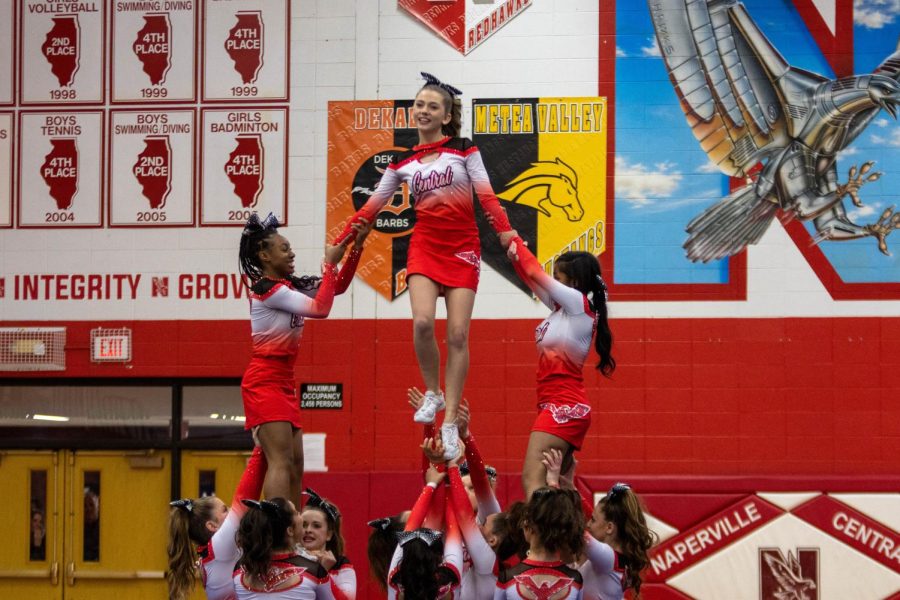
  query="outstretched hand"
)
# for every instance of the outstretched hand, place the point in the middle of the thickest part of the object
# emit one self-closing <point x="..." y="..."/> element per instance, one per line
<point x="462" y="419"/>
<point x="433" y="449"/>
<point x="552" y="461"/>
<point x="363" y="228"/>
<point x="432" y="475"/>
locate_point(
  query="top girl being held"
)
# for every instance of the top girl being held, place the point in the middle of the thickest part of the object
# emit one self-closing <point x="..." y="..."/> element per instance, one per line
<point x="444" y="254"/>
<point x="278" y="304"/>
<point x="577" y="296"/>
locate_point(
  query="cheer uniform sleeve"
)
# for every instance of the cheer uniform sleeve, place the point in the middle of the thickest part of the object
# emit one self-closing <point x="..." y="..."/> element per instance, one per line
<point x="483" y="558"/>
<point x="250" y="486"/>
<point x="601" y="556"/>
<point x="281" y="297"/>
<point x="487" y="501"/>
<point x="345" y="582"/>
<point x="395" y="563"/>
<point x="453" y="548"/>
<point x="419" y="509"/>
<point x="429" y="432"/>
<point x="482" y="184"/>
<point x="545" y="287"/>
<point x="388" y="185"/>
<point x="348" y="270"/>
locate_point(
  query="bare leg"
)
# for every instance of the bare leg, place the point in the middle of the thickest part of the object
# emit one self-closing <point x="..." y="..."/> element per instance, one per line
<point x="423" y="294"/>
<point x="297" y="481"/>
<point x="460" y="302"/>
<point x="534" y="473"/>
<point x="277" y="441"/>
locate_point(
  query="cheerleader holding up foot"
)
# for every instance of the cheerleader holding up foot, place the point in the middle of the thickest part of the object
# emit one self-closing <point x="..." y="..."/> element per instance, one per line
<point x="208" y="523"/>
<point x="279" y="303"/>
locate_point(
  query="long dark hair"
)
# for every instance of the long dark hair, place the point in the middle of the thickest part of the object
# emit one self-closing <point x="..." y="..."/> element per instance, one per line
<point x="508" y="527"/>
<point x="187" y="528"/>
<point x="332" y="520"/>
<point x="381" y="546"/>
<point x="583" y="269"/>
<point x="263" y="529"/>
<point x="556" y="518"/>
<point x="623" y="507"/>
<point x="418" y="572"/>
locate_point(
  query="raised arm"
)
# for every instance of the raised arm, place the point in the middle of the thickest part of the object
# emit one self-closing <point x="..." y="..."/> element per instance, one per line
<point x="482" y="185"/>
<point x="362" y="228"/>
<point x="601" y="556"/>
<point x="388" y="185"/>
<point x="550" y="291"/>
<point x="250" y="486"/>
<point x="453" y="548"/>
<point x="345" y="582"/>
<point x="487" y="501"/>
<point x="483" y="558"/>
<point x="282" y="297"/>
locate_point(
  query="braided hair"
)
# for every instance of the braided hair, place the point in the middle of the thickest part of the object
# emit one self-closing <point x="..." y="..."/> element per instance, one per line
<point x="255" y="239"/>
<point x="583" y="269"/>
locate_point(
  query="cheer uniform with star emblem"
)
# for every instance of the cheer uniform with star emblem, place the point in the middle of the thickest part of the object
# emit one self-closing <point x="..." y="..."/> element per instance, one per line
<point x="563" y="342"/>
<point x="277" y="312"/>
<point x="291" y="576"/>
<point x="537" y="580"/>
<point x="444" y="246"/>
<point x="219" y="555"/>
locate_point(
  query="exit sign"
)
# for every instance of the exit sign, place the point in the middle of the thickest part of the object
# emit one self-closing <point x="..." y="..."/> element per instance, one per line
<point x="110" y="345"/>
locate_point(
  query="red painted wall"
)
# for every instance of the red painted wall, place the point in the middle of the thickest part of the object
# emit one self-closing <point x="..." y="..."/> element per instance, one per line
<point x="698" y="396"/>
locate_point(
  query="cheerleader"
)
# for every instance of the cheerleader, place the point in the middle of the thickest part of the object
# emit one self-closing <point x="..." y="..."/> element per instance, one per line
<point x="279" y="302"/>
<point x="381" y="545"/>
<point x="577" y="296"/>
<point x="321" y="536"/>
<point x="269" y="567"/>
<point x="426" y="565"/>
<point x="208" y="523"/>
<point x="444" y="256"/>
<point x="554" y="529"/>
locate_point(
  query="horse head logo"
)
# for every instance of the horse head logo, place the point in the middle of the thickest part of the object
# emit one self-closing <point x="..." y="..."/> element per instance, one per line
<point x="546" y="183"/>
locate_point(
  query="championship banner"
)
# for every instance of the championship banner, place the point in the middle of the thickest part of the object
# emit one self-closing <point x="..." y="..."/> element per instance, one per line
<point x="60" y="169"/>
<point x="464" y="24"/>
<point x="151" y="168"/>
<point x="6" y="168"/>
<point x="770" y="545"/>
<point x="154" y="52"/>
<point x="363" y="137"/>
<point x="7" y="52"/>
<point x="546" y="158"/>
<point x="63" y="52"/>
<point x="246" y="50"/>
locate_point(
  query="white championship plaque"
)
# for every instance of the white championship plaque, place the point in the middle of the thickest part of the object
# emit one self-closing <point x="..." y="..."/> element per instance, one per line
<point x="7" y="53"/>
<point x="60" y="169"/>
<point x="6" y="168"/>
<point x="151" y="168"/>
<point x="154" y="52"/>
<point x="244" y="164"/>
<point x="63" y="52"/>
<point x="246" y="50"/>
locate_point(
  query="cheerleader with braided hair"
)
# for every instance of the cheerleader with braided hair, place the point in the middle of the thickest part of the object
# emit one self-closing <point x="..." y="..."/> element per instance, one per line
<point x="279" y="303"/>
<point x="444" y="257"/>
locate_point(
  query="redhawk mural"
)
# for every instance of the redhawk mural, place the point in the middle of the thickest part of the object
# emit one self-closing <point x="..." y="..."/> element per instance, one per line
<point x="747" y="105"/>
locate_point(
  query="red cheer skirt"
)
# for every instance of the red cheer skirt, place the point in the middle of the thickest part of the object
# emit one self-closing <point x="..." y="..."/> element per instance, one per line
<point x="269" y="392"/>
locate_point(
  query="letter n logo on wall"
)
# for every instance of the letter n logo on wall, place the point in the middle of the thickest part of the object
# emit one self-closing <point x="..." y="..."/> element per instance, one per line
<point x="791" y="577"/>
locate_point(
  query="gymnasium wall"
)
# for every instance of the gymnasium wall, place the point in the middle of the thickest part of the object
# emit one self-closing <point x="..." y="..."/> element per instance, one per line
<point x="781" y="362"/>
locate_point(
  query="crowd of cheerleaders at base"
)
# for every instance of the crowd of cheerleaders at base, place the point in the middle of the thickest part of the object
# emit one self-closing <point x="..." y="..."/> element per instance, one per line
<point x="455" y="542"/>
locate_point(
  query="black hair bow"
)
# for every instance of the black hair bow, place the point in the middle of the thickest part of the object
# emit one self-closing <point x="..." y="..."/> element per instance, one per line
<point x="270" y="508"/>
<point x="185" y="503"/>
<point x="432" y="80"/>
<point x="317" y="501"/>
<point x="254" y="224"/>
<point x="384" y="523"/>
<point x="429" y="536"/>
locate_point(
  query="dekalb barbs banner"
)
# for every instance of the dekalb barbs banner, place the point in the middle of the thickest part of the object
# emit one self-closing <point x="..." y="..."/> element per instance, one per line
<point x="546" y="158"/>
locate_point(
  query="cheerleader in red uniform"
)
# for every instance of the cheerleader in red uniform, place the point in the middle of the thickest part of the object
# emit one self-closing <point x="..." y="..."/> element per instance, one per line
<point x="279" y="303"/>
<point x="444" y="251"/>
<point x="577" y="296"/>
<point x="320" y="536"/>
<point x="210" y="524"/>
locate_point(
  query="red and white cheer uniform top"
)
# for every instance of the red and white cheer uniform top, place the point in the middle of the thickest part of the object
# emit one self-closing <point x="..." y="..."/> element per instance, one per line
<point x="563" y="341"/>
<point x="537" y="580"/>
<point x="290" y="577"/>
<point x="602" y="572"/>
<point x="444" y="246"/>
<point x="218" y="557"/>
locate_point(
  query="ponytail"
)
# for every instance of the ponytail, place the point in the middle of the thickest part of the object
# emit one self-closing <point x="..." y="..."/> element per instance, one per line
<point x="622" y="507"/>
<point x="583" y="269"/>
<point x="187" y="529"/>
